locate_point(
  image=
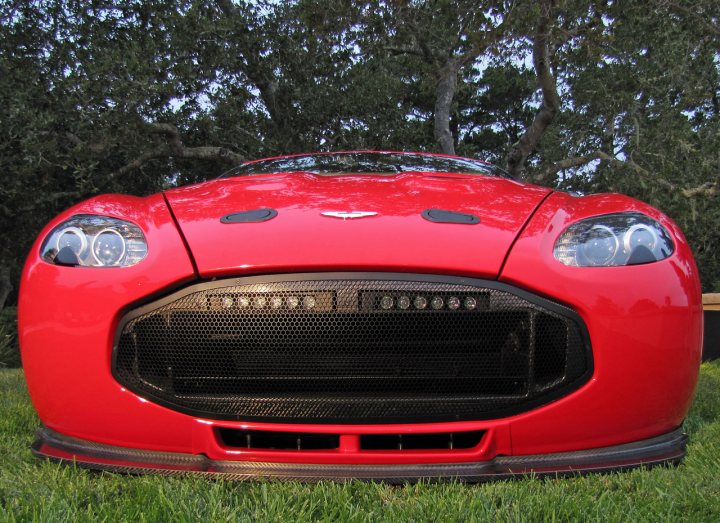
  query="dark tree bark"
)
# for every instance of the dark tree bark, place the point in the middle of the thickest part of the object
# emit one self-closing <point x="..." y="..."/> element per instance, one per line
<point x="6" y="287"/>
<point x="551" y="100"/>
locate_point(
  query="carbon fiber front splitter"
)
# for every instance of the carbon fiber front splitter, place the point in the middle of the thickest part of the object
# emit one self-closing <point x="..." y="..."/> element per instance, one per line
<point x="666" y="449"/>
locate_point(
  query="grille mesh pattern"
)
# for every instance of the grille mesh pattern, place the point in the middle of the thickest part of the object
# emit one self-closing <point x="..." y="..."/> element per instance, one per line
<point x="349" y="351"/>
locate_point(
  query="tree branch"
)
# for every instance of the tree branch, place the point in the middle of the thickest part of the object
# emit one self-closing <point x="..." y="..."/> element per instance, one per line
<point x="447" y="69"/>
<point x="419" y="37"/>
<point x="404" y="49"/>
<point x="573" y="32"/>
<point x="174" y="148"/>
<point x="699" y="16"/>
<point x="579" y="161"/>
<point x="253" y="66"/>
<point x="423" y="45"/>
<point x="227" y="7"/>
<point x="167" y="129"/>
<point x="488" y="39"/>
<point x="706" y="189"/>
<point x="569" y="163"/>
<point x="160" y="152"/>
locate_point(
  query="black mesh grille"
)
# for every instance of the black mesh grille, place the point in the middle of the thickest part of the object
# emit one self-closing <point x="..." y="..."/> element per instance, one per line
<point x="351" y="350"/>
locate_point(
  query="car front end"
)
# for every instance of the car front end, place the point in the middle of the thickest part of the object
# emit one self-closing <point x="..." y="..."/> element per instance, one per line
<point x="414" y="325"/>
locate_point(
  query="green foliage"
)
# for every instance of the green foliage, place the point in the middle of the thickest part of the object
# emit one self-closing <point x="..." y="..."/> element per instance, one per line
<point x="644" y="87"/>
<point x="36" y="490"/>
<point x="82" y="87"/>
<point x="9" y="350"/>
<point x="499" y="111"/>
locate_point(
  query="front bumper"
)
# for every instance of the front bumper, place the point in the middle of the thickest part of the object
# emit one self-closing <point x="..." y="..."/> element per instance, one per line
<point x="645" y="323"/>
<point x="665" y="449"/>
<point x="68" y="357"/>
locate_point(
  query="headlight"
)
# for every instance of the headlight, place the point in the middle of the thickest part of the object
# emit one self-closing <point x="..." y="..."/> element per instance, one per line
<point x="613" y="239"/>
<point x="87" y="240"/>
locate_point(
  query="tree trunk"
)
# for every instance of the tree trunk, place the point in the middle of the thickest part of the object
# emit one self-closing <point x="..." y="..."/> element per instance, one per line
<point x="6" y="287"/>
<point x="444" y="94"/>
<point x="550" y="106"/>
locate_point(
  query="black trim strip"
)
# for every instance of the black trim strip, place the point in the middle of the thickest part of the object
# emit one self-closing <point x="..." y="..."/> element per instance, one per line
<point x="666" y="449"/>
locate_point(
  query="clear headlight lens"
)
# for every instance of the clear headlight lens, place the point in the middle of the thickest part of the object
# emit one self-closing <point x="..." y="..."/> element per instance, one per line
<point x="613" y="239"/>
<point x="87" y="240"/>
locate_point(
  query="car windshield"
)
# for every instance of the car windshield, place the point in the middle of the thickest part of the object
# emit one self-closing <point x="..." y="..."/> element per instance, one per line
<point x="336" y="164"/>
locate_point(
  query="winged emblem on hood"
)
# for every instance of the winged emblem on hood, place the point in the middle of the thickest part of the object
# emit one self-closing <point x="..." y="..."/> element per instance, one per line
<point x="348" y="214"/>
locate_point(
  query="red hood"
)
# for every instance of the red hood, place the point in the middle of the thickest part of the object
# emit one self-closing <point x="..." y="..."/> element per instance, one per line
<point x="398" y="238"/>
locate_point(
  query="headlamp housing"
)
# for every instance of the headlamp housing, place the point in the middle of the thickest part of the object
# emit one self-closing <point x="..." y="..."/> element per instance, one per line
<point x="88" y="240"/>
<point x="612" y="240"/>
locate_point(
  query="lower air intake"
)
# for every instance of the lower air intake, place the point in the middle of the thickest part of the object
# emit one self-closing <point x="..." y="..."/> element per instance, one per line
<point x="346" y="348"/>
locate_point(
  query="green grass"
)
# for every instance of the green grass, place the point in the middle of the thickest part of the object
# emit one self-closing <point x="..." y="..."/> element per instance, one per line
<point x="35" y="490"/>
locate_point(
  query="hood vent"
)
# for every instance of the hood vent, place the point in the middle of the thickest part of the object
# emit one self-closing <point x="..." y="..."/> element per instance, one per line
<point x="254" y="216"/>
<point x="441" y="216"/>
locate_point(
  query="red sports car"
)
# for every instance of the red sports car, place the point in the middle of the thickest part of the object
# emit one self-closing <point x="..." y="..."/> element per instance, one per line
<point x="361" y="315"/>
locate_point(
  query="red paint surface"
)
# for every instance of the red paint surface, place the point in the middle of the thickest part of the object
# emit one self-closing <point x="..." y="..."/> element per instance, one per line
<point x="300" y="239"/>
<point x="644" y="321"/>
<point x="645" y="326"/>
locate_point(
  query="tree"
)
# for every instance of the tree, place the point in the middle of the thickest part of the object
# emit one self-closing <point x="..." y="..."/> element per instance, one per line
<point x="638" y="112"/>
<point x="447" y="37"/>
<point x="542" y="54"/>
<point x="138" y="96"/>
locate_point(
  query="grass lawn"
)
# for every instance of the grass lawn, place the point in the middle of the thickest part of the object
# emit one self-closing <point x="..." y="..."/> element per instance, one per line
<point x="34" y="490"/>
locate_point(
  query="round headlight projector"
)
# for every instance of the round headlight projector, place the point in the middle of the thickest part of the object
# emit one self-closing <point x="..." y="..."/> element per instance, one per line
<point x="600" y="245"/>
<point x="109" y="247"/>
<point x="640" y="235"/>
<point x="72" y="238"/>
